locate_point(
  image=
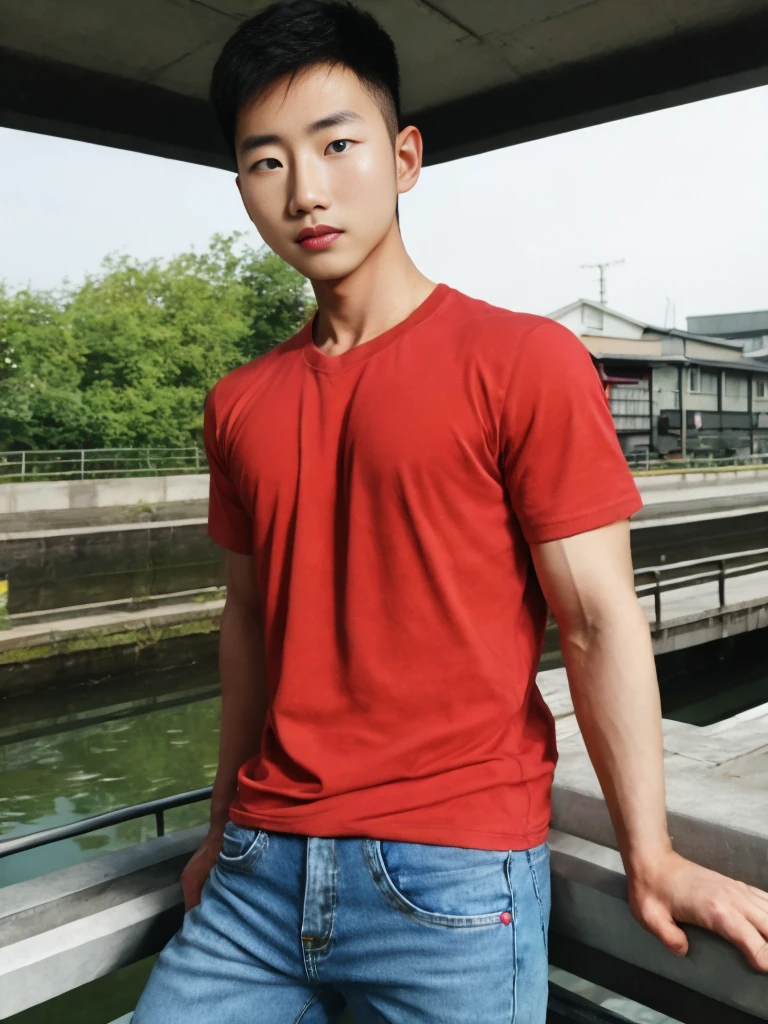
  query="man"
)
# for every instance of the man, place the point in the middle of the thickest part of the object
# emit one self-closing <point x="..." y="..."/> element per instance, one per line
<point x="402" y="488"/>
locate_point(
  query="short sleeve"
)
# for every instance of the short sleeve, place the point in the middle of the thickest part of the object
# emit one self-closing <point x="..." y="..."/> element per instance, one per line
<point x="560" y="455"/>
<point x="229" y="523"/>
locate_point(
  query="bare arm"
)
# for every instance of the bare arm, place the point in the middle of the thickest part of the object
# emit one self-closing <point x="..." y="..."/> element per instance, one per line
<point x="243" y="682"/>
<point x="588" y="582"/>
<point x="243" y="710"/>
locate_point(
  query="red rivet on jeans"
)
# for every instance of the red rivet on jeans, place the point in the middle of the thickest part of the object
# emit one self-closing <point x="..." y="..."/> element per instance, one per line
<point x="505" y="917"/>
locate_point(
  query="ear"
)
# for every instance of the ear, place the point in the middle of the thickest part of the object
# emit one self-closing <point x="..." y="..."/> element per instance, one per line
<point x="239" y="186"/>
<point x="409" y="148"/>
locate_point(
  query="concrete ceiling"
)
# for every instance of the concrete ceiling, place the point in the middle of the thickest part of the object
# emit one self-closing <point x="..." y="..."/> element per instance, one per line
<point x="475" y="75"/>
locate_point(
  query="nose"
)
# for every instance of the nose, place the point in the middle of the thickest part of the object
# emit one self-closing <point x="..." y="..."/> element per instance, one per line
<point x="308" y="188"/>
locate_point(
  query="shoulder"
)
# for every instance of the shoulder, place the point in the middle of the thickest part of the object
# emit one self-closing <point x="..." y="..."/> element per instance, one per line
<point x="517" y="338"/>
<point x="227" y="392"/>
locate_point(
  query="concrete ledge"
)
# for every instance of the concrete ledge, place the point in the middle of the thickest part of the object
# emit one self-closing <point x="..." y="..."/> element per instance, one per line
<point x="589" y="906"/>
<point x="58" y="494"/>
<point x="715" y="779"/>
<point x="651" y="478"/>
<point x="153" y="490"/>
<point x="119" y="642"/>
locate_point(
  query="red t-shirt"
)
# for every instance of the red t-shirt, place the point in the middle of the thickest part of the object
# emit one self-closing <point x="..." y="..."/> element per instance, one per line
<point x="388" y="496"/>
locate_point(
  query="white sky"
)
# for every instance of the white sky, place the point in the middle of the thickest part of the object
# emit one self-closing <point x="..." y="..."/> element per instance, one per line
<point x="680" y="195"/>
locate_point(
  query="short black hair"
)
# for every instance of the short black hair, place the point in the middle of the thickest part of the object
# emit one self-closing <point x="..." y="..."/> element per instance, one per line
<point x="291" y="35"/>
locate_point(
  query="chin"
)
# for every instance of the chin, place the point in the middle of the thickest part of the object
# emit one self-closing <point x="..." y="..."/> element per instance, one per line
<point x="328" y="269"/>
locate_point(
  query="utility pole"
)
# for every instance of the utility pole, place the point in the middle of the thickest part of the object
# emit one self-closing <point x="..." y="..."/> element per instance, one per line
<point x="601" y="267"/>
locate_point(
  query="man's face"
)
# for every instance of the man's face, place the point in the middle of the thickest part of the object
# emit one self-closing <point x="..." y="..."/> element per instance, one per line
<point x="295" y="172"/>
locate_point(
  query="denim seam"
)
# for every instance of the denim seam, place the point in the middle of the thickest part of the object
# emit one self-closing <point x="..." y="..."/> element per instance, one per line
<point x="513" y="900"/>
<point x="306" y="1006"/>
<point x="334" y="873"/>
<point x="535" y="879"/>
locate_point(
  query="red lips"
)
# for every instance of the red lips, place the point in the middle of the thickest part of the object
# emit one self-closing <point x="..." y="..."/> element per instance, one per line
<point x="316" y="229"/>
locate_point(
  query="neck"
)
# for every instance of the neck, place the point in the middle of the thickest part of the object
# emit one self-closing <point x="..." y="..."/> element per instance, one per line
<point x="379" y="294"/>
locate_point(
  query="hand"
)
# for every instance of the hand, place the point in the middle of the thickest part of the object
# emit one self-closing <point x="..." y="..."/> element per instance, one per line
<point x="674" y="889"/>
<point x="199" y="866"/>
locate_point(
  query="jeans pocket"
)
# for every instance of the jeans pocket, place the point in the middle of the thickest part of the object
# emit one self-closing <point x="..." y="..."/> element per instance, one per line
<point x="450" y="886"/>
<point x="242" y="847"/>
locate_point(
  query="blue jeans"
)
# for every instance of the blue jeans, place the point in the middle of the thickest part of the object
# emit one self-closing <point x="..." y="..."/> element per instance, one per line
<point x="295" y="928"/>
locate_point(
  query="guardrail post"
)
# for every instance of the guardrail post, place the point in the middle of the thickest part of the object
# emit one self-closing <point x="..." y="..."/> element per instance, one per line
<point x="197" y="457"/>
<point x="23" y="465"/>
<point x="657" y="598"/>
<point x="82" y="463"/>
<point x="721" y="583"/>
<point x="160" y="821"/>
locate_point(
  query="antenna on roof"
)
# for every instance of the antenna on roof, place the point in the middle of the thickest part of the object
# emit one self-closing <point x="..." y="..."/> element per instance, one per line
<point x="601" y="267"/>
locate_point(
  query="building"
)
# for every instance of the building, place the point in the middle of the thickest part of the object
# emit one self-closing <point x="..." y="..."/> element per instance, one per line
<point x="672" y="390"/>
<point x="751" y="329"/>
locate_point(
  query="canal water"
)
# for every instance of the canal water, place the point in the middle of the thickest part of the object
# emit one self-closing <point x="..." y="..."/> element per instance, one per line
<point x="70" y="753"/>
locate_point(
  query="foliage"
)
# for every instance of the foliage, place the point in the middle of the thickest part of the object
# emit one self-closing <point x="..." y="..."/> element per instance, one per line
<point x="126" y="359"/>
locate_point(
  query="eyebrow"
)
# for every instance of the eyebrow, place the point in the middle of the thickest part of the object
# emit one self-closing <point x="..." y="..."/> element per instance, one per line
<point x="339" y="117"/>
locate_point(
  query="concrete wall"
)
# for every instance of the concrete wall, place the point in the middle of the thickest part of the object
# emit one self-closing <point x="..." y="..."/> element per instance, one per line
<point x="84" y="494"/>
<point x="71" y="494"/>
<point x="64" y="568"/>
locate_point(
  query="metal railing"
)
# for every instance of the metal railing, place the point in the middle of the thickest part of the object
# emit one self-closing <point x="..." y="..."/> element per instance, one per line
<point x="640" y="459"/>
<point x="658" y="579"/>
<point x="90" y="463"/>
<point x="94" y="463"/>
<point x="84" y="826"/>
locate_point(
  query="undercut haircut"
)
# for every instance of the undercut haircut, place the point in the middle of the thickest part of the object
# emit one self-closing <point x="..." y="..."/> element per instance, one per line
<point x="293" y="35"/>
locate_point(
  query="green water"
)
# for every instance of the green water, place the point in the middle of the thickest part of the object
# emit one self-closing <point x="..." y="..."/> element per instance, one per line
<point x="63" y="768"/>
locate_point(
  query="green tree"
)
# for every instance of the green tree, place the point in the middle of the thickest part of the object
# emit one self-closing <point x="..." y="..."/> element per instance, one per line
<point x="126" y="359"/>
<point x="40" y="372"/>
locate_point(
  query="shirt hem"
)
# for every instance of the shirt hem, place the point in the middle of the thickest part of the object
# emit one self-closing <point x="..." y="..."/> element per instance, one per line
<point x="421" y="833"/>
<point x="230" y="542"/>
<point x="601" y="516"/>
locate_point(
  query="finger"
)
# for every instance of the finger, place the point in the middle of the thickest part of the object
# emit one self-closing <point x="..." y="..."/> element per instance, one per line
<point x="761" y="893"/>
<point x="660" y="924"/>
<point x="742" y="933"/>
<point x="759" y="919"/>
<point x="757" y="912"/>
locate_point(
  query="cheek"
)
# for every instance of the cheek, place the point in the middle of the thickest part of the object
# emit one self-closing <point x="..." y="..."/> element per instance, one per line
<point x="264" y="206"/>
<point x="370" y="177"/>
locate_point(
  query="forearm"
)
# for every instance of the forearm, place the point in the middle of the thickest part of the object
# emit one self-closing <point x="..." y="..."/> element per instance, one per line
<point x="243" y="701"/>
<point x="613" y="682"/>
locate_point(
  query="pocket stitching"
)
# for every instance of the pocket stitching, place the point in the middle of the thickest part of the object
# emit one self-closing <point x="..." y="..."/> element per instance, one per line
<point x="250" y="856"/>
<point x="378" y="871"/>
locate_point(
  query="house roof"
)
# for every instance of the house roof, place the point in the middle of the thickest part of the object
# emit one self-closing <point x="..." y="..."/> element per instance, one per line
<point x="744" y="365"/>
<point x="675" y="332"/>
<point x="746" y="324"/>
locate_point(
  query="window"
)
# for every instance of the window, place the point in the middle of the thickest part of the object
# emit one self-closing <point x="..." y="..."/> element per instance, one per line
<point x="702" y="381"/>
<point x="761" y="388"/>
<point x="592" y="317"/>
<point x="735" y="386"/>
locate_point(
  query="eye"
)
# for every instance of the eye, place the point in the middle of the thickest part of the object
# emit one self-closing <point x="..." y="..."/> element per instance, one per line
<point x="266" y="160"/>
<point x="340" y="142"/>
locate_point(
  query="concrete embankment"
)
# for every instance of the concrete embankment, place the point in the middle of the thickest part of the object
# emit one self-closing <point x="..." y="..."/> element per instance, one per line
<point x="107" y="588"/>
<point x="68" y="566"/>
<point x="71" y="566"/>
<point x="97" y="643"/>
